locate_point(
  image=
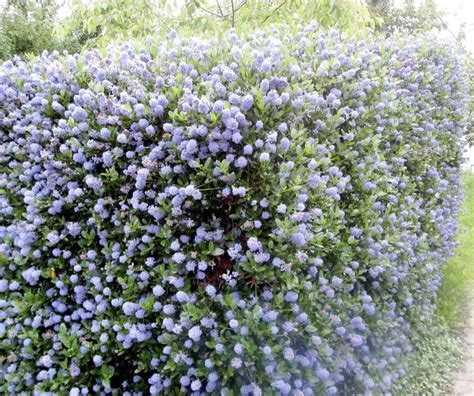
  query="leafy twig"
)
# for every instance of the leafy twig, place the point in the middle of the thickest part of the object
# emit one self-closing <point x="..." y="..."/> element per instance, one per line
<point x="233" y="12"/>
<point x="221" y="14"/>
<point x="273" y="12"/>
<point x="213" y="13"/>
<point x="220" y="9"/>
<point x="240" y="5"/>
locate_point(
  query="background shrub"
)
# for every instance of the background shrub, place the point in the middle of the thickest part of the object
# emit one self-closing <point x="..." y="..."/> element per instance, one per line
<point x="264" y="214"/>
<point x="26" y="26"/>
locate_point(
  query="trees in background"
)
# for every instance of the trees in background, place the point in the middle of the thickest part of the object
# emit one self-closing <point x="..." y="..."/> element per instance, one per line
<point x="26" y="26"/>
<point x="350" y="15"/>
<point x="409" y="16"/>
<point x="102" y="21"/>
<point x="30" y="26"/>
<point x="98" y="22"/>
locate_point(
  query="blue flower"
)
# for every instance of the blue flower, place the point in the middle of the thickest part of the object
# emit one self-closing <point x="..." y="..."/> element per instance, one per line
<point x="241" y="162"/>
<point x="254" y="244"/>
<point x="195" y="385"/>
<point x="97" y="360"/>
<point x="291" y="296"/>
<point x="179" y="258"/>
<point x="31" y="275"/>
<point x="247" y="102"/>
<point x="195" y="333"/>
<point x="129" y="308"/>
<point x="265" y="66"/>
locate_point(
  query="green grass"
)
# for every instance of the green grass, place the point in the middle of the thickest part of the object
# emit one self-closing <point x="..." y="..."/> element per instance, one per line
<point x="458" y="272"/>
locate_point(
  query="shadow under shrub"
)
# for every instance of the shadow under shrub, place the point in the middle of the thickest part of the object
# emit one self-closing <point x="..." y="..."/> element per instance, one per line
<point x="264" y="214"/>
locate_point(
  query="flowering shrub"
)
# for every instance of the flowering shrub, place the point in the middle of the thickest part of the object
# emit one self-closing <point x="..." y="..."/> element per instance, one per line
<point x="258" y="215"/>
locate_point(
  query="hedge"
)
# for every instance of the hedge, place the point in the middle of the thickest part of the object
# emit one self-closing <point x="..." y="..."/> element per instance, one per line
<point x="265" y="214"/>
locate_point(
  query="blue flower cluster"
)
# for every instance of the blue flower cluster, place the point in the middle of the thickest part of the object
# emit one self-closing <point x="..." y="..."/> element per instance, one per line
<point x="258" y="215"/>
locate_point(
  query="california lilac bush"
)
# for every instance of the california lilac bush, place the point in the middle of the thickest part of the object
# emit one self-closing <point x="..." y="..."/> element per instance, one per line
<point x="259" y="215"/>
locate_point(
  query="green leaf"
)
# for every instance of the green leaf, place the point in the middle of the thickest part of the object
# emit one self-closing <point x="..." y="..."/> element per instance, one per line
<point x="107" y="372"/>
<point x="218" y="251"/>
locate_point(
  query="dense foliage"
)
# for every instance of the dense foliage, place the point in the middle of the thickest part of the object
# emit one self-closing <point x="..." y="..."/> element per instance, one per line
<point x="98" y="22"/>
<point x="26" y="27"/>
<point x="408" y="16"/>
<point x="264" y="214"/>
<point x="214" y="15"/>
